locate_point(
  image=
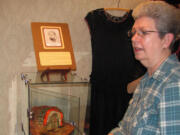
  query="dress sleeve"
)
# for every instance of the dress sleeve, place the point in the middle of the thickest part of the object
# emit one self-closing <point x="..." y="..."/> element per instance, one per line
<point x="89" y="18"/>
<point x="170" y="110"/>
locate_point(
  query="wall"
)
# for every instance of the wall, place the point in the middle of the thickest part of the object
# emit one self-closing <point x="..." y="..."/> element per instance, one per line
<point x="16" y="44"/>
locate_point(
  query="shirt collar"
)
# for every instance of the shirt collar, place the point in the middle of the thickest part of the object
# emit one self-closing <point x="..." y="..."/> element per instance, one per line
<point x="164" y="69"/>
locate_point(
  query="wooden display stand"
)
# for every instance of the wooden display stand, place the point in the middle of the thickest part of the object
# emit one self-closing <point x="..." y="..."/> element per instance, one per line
<point x="45" y="75"/>
<point x="66" y="130"/>
<point x="53" y="47"/>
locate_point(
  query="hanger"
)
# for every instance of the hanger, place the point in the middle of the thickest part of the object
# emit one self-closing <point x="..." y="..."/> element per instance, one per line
<point x="122" y="9"/>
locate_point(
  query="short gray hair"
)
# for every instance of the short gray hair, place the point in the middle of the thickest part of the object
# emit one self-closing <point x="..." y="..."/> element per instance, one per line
<point x="166" y="17"/>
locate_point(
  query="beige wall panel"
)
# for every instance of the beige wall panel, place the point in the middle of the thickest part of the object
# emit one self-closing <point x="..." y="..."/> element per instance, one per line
<point x="16" y="44"/>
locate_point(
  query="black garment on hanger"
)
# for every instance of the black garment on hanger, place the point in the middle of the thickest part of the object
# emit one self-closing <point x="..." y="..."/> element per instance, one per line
<point x="113" y="67"/>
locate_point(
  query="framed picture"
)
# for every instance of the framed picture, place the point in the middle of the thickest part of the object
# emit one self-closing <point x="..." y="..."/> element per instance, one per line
<point x="53" y="46"/>
<point x="52" y="37"/>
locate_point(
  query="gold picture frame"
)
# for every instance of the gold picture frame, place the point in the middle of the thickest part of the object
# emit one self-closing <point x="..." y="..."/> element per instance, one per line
<point x="53" y="46"/>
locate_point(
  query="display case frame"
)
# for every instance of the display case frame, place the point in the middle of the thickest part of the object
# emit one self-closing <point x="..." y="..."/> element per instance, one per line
<point x="67" y="90"/>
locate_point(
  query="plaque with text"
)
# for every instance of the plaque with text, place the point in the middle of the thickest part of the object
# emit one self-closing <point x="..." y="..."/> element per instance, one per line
<point x="53" y="46"/>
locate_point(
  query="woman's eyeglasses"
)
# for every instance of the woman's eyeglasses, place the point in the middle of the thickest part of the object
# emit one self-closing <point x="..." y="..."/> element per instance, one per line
<point x="141" y="33"/>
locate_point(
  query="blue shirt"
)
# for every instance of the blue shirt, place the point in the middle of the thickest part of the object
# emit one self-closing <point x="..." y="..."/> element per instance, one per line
<point x="155" y="106"/>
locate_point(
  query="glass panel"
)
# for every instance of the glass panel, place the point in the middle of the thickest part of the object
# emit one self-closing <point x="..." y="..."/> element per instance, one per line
<point x="68" y="104"/>
<point x="54" y="78"/>
<point x="70" y="96"/>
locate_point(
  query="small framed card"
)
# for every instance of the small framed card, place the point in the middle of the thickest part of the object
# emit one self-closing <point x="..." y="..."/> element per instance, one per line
<point x="53" y="46"/>
<point x="52" y="37"/>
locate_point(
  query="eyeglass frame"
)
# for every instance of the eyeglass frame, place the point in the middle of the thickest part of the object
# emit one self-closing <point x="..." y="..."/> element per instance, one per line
<point x="141" y="33"/>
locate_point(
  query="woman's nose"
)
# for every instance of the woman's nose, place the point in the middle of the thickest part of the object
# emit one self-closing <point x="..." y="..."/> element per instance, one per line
<point x="135" y="37"/>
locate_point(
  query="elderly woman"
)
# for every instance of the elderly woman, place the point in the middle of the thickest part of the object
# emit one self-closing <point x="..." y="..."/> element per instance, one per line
<point x="155" y="106"/>
<point x="132" y="85"/>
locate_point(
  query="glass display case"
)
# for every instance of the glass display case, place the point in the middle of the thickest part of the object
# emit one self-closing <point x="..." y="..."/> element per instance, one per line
<point x="57" y="105"/>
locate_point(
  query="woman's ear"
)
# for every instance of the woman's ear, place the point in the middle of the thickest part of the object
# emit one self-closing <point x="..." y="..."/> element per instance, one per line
<point x="167" y="40"/>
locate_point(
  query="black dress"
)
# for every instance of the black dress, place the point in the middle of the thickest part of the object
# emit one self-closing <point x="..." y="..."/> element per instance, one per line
<point x="113" y="67"/>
